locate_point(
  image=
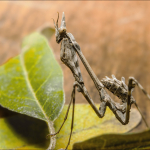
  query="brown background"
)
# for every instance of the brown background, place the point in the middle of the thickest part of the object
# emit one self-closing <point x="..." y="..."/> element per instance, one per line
<point x="113" y="35"/>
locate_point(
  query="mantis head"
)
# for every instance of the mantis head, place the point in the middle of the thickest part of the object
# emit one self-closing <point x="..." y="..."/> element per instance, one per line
<point x="60" y="32"/>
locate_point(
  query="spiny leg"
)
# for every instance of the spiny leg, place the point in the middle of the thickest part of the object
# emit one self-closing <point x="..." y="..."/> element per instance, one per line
<point x="115" y="107"/>
<point x="122" y="112"/>
<point x="124" y="118"/>
<point x="105" y="101"/>
<point x="134" y="82"/>
<point x="66" y="113"/>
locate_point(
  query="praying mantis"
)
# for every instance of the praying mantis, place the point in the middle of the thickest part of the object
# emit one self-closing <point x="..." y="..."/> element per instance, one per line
<point x="68" y="55"/>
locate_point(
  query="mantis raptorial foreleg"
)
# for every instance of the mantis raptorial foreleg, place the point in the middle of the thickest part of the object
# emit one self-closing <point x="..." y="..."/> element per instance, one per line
<point x="124" y="92"/>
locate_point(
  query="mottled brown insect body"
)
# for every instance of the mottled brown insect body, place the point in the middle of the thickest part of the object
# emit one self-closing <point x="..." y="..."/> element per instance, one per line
<point x="118" y="88"/>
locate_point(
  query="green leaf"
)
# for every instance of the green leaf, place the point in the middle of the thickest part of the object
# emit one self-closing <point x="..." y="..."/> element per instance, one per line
<point x="23" y="132"/>
<point x="88" y="125"/>
<point x="117" y="141"/>
<point x="31" y="83"/>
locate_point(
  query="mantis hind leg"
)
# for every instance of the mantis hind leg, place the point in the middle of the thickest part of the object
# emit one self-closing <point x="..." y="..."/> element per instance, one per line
<point x="72" y="99"/>
<point x="72" y="121"/>
<point x="132" y="83"/>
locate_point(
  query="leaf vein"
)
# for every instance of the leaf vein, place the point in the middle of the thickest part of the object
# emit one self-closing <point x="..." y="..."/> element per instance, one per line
<point x="43" y="83"/>
<point x="34" y="65"/>
<point x="30" y="86"/>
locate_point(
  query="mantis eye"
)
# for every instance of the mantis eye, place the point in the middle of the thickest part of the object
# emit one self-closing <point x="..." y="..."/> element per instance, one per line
<point x="62" y="30"/>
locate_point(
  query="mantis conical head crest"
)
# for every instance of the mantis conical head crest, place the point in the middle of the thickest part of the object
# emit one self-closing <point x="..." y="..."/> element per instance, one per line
<point x="63" y="22"/>
<point x="60" y="32"/>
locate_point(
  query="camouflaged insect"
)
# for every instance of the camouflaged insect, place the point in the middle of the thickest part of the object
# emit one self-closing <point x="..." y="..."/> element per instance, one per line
<point x="68" y="55"/>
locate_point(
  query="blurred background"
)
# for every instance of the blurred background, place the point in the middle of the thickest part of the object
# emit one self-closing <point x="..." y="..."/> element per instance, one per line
<point x="113" y="35"/>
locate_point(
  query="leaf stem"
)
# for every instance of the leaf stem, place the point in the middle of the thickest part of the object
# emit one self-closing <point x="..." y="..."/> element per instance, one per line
<point x="52" y="138"/>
